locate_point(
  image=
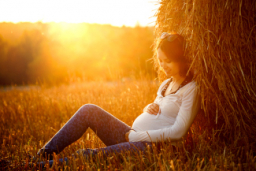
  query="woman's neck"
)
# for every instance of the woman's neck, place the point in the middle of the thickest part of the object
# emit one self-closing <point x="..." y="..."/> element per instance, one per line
<point x="178" y="79"/>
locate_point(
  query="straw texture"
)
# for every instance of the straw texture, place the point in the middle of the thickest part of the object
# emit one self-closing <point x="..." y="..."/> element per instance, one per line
<point x="220" y="43"/>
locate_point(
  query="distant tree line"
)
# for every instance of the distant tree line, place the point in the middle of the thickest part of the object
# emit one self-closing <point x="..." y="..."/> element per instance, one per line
<point x="59" y="52"/>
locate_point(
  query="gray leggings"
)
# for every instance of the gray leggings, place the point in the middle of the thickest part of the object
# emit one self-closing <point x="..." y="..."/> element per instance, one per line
<point x="107" y="127"/>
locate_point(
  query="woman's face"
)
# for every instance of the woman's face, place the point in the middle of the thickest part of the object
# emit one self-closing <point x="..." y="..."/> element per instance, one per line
<point x="170" y="68"/>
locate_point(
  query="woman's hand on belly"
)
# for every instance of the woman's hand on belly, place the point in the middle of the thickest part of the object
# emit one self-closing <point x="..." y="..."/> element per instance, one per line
<point x="127" y="135"/>
<point x="153" y="109"/>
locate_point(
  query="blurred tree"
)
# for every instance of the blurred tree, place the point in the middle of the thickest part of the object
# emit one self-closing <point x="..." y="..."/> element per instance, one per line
<point x="3" y="50"/>
<point x="58" y="52"/>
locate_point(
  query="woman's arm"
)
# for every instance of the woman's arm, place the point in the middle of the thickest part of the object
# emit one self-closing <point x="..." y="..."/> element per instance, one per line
<point x="188" y="110"/>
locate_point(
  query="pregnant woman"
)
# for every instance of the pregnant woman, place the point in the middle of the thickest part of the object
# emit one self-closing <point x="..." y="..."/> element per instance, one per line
<point x="168" y="117"/>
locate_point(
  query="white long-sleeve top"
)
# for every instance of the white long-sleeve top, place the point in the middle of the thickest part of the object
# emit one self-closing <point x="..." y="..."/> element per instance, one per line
<point x="176" y="114"/>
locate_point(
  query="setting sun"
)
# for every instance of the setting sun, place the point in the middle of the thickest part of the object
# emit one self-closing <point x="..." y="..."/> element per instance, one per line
<point x="114" y="12"/>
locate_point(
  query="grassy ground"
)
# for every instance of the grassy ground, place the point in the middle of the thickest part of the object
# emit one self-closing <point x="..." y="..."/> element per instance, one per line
<point x="29" y="117"/>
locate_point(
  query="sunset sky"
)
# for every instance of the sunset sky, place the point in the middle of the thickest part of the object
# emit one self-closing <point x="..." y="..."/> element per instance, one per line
<point x="114" y="12"/>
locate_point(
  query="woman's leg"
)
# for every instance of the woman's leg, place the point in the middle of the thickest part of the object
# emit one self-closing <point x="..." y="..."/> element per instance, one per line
<point x="107" y="127"/>
<point x="133" y="147"/>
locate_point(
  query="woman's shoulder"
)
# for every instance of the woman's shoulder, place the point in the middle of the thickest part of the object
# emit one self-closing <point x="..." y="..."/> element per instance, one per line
<point x="192" y="85"/>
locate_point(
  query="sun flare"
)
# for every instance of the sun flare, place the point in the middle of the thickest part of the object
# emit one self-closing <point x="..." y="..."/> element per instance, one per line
<point x="115" y="12"/>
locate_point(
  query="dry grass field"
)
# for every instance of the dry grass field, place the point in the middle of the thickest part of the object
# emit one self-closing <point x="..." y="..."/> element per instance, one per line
<point x="29" y="117"/>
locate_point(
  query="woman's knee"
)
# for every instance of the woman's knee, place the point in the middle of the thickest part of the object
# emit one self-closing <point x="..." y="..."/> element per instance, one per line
<point x="89" y="107"/>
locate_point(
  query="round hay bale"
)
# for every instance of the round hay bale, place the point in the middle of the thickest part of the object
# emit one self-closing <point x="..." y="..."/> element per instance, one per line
<point x="220" y="43"/>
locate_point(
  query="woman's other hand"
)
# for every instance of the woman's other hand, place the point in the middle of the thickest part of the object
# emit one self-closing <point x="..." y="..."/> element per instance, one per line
<point x="127" y="135"/>
<point x="152" y="108"/>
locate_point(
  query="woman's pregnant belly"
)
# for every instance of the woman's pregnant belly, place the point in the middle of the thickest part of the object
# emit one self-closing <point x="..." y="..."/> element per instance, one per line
<point x="147" y="121"/>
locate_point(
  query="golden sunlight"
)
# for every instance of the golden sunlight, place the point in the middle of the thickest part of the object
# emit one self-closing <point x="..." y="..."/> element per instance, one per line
<point x="114" y="12"/>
